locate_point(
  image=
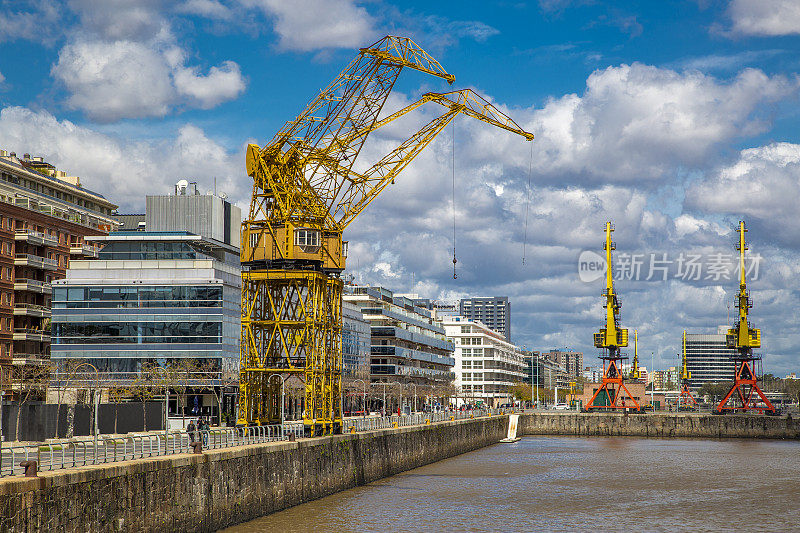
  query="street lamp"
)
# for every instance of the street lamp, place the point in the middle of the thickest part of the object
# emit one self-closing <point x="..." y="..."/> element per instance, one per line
<point x="363" y="398"/>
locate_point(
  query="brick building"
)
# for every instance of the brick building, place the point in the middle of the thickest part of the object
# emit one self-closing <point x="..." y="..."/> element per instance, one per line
<point x="44" y="217"/>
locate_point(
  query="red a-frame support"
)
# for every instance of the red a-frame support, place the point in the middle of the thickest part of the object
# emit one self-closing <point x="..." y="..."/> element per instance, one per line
<point x="744" y="385"/>
<point x="614" y="385"/>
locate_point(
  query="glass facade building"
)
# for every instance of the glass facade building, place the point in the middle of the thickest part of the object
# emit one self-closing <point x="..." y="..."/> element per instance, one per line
<point x="150" y="297"/>
<point x="709" y="359"/>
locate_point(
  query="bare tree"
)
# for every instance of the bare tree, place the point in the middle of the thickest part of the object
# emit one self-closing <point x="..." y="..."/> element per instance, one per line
<point x="144" y="387"/>
<point x="64" y="374"/>
<point x="29" y="381"/>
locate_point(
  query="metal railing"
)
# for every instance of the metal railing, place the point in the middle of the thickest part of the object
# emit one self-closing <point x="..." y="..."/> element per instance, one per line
<point x="72" y="453"/>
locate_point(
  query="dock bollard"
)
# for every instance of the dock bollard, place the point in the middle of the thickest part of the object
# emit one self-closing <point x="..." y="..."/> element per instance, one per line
<point x="197" y="447"/>
<point x="352" y="429"/>
<point x="31" y="468"/>
<point x="428" y="421"/>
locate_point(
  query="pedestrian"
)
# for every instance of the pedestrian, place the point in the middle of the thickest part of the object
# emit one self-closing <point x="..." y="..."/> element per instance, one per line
<point x="204" y="431"/>
<point x="191" y="431"/>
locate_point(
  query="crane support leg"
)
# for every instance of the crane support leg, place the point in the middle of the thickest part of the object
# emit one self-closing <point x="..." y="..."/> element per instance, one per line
<point x="291" y="324"/>
<point x="744" y="385"/>
<point x="613" y="385"/>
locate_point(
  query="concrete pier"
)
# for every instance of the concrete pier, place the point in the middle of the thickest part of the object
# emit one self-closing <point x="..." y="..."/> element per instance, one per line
<point x="684" y="425"/>
<point x="225" y="487"/>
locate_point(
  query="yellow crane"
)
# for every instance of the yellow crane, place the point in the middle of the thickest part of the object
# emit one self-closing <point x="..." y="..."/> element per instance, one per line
<point x="635" y="373"/>
<point x="306" y="191"/>
<point x="611" y="338"/>
<point x="686" y="400"/>
<point x="743" y="339"/>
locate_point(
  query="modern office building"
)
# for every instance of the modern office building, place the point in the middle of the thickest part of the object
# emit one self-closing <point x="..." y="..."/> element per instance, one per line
<point x="487" y="365"/>
<point x="155" y="296"/>
<point x="355" y="342"/>
<point x="571" y="362"/>
<point x="45" y="218"/>
<point x="406" y="344"/>
<point x="709" y="359"/>
<point x="494" y="312"/>
<point x="544" y="371"/>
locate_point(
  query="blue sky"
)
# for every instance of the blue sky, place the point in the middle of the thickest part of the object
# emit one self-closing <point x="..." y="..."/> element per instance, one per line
<point x="673" y="119"/>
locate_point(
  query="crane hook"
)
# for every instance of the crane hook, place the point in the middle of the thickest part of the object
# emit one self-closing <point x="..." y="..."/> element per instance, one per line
<point x="455" y="276"/>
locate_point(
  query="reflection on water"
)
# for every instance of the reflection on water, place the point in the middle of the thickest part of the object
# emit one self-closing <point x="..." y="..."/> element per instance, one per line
<point x="573" y="484"/>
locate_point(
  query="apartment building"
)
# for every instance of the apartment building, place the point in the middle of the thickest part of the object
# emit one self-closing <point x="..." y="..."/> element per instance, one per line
<point x="406" y="344"/>
<point x="487" y="365"/>
<point x="45" y="220"/>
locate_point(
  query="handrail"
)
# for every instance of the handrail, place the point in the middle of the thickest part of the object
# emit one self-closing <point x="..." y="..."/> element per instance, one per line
<point x="71" y="453"/>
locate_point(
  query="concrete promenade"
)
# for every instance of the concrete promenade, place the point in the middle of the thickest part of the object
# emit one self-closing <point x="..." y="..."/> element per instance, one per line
<point x="219" y="488"/>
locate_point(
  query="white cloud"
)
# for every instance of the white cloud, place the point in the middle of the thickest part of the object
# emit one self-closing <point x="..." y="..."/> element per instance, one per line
<point x="219" y="85"/>
<point x="305" y="25"/>
<point x="121" y="19"/>
<point x="123" y="170"/>
<point x="639" y="123"/>
<point x="127" y="64"/>
<point x="109" y="81"/>
<point x="212" y="9"/>
<point x="763" y="185"/>
<point x="29" y="25"/>
<point x="765" y="17"/>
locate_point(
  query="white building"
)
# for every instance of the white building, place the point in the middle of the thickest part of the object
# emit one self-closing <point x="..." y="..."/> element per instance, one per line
<point x="487" y="365"/>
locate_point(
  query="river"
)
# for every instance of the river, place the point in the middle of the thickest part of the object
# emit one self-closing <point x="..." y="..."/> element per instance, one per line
<point x="573" y="484"/>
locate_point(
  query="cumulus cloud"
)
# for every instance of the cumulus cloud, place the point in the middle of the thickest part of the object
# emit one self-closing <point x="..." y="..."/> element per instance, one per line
<point x="762" y="185"/>
<point x="219" y="85"/>
<point x="121" y="79"/>
<point x="764" y="17"/>
<point x="305" y="25"/>
<point x="638" y="123"/>
<point x="121" y="19"/>
<point x="28" y="24"/>
<point x="212" y="9"/>
<point x="128" y="64"/>
<point x="124" y="170"/>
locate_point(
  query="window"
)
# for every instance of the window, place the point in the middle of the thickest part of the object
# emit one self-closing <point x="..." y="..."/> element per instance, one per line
<point x="466" y="364"/>
<point x="466" y="329"/>
<point x="304" y="237"/>
<point x="254" y="239"/>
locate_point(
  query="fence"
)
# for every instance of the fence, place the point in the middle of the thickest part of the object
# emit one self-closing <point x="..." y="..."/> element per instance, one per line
<point x="75" y="453"/>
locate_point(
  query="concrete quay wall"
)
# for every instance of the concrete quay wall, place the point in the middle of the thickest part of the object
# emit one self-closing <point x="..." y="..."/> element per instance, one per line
<point x="221" y="488"/>
<point x="698" y="425"/>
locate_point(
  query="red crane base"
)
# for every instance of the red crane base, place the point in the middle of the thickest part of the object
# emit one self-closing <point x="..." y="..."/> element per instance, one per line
<point x="744" y="385"/>
<point x="616" y="398"/>
<point x="686" y="400"/>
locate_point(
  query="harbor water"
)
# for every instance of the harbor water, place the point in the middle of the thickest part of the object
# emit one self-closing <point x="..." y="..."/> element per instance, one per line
<point x="573" y="484"/>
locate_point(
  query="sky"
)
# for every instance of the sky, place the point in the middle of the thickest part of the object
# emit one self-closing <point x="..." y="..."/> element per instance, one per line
<point x="673" y="120"/>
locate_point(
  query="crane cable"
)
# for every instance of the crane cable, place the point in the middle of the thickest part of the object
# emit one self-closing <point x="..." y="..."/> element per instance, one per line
<point x="453" y="167"/>
<point x="527" y="205"/>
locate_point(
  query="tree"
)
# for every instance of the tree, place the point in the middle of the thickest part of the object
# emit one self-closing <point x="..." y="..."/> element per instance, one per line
<point x="65" y="373"/>
<point x="144" y="387"/>
<point x="521" y="392"/>
<point x="29" y="381"/>
<point x="715" y="391"/>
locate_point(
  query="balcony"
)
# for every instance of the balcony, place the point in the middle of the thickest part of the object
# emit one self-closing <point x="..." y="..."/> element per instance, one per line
<point x="32" y="285"/>
<point x="35" y="335"/>
<point x="83" y="250"/>
<point x="34" y="238"/>
<point x="38" y="311"/>
<point x="35" y="261"/>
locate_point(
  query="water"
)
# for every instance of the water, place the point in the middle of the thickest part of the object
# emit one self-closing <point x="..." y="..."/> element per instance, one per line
<point x="573" y="484"/>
